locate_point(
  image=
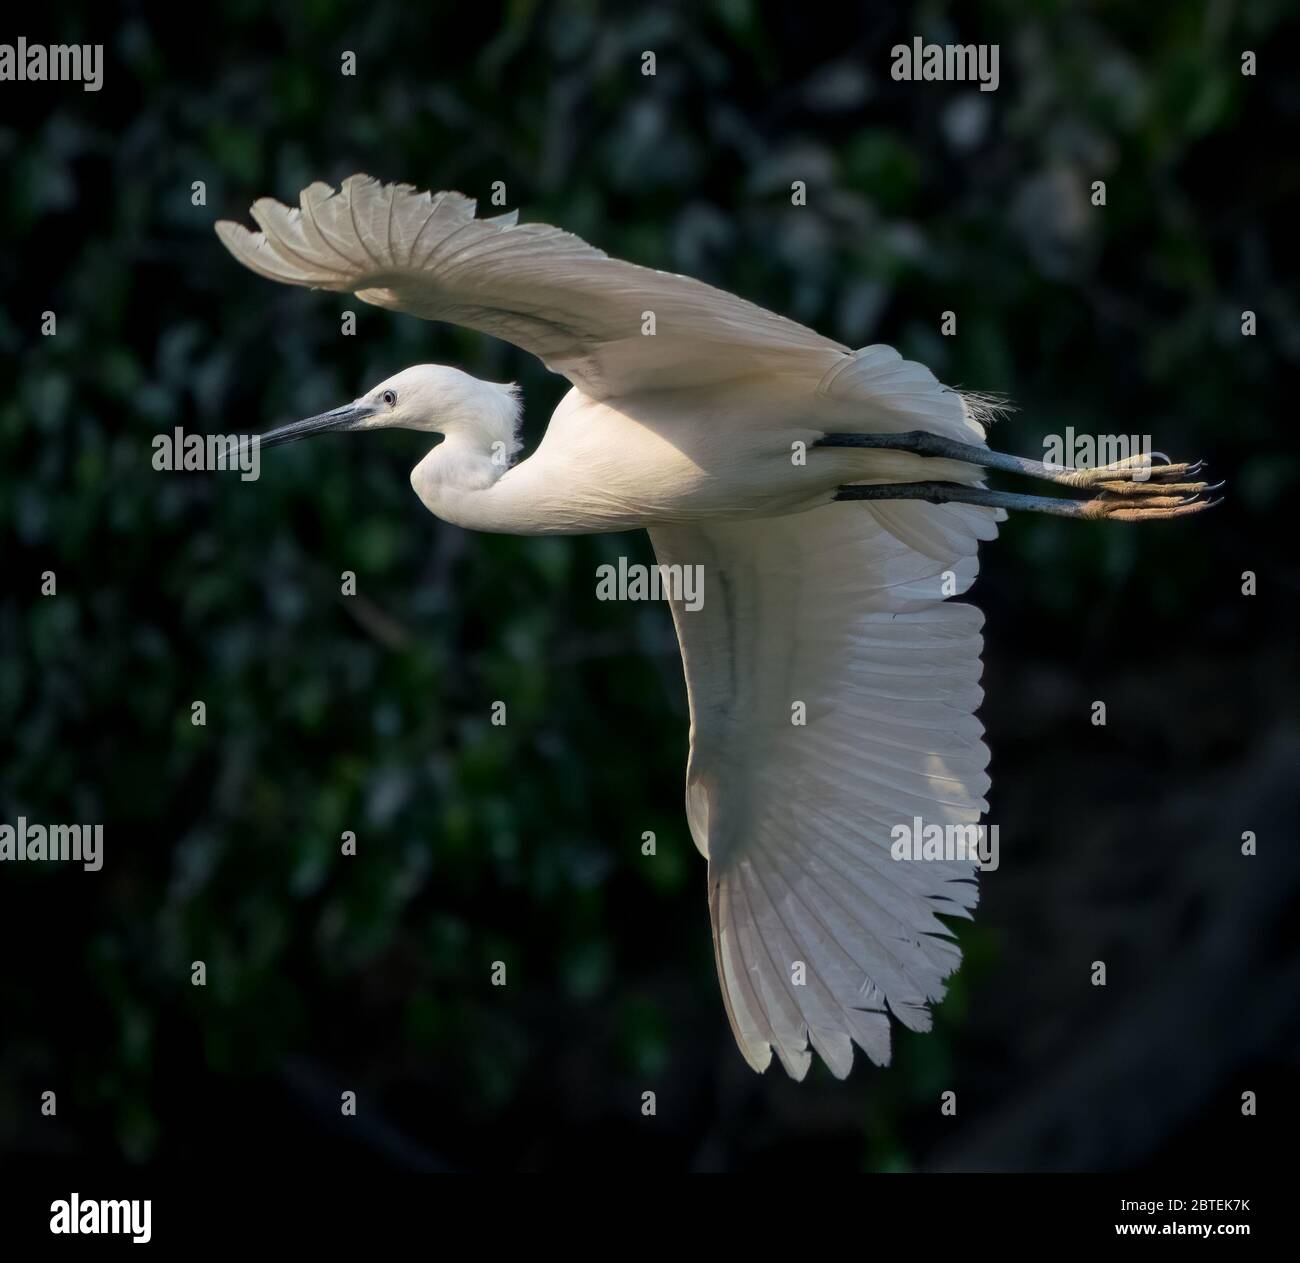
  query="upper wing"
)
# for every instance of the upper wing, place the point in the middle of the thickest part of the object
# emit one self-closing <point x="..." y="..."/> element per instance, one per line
<point x="582" y="313"/>
<point x="832" y="610"/>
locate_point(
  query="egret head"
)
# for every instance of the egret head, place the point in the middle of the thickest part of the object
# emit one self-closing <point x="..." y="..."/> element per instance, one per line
<point x="431" y="397"/>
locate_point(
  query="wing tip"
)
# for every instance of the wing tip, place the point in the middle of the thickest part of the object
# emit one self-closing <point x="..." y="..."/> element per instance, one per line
<point x="242" y="242"/>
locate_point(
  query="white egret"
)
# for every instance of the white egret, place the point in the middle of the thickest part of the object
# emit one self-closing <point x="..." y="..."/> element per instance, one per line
<point x="832" y="688"/>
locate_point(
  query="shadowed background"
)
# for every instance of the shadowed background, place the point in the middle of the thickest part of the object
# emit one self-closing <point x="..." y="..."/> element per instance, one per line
<point x="523" y="844"/>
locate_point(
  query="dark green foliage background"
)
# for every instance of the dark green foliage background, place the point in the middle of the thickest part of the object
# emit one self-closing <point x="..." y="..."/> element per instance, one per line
<point x="522" y="843"/>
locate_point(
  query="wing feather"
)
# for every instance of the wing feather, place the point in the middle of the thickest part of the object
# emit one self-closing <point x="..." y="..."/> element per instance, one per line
<point x="551" y="293"/>
<point x="819" y="933"/>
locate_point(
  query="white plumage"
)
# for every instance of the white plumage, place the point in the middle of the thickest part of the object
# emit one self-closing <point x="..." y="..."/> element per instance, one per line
<point x="703" y="432"/>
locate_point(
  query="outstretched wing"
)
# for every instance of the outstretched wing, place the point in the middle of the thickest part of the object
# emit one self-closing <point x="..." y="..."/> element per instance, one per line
<point x="582" y="313"/>
<point x="829" y="618"/>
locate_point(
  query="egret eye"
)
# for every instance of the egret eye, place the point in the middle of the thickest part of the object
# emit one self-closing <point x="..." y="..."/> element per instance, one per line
<point x="390" y="397"/>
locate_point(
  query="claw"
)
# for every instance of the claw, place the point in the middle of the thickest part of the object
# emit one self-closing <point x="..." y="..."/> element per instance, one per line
<point x="1166" y="473"/>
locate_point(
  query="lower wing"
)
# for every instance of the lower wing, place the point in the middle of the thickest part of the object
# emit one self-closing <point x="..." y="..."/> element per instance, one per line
<point x="832" y="697"/>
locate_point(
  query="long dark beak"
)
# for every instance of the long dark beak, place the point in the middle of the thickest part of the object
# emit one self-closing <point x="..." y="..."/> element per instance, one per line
<point x="349" y="417"/>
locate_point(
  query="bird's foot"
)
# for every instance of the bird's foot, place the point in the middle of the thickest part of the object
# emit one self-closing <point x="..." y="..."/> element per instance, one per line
<point x="1135" y="472"/>
<point x="1140" y="489"/>
<point x="1149" y="502"/>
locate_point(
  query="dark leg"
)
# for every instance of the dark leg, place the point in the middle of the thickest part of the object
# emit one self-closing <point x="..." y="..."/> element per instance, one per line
<point x="1134" y="470"/>
<point x="1133" y="490"/>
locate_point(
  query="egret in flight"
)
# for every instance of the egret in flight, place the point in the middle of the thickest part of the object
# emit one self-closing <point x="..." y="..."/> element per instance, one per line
<point x="833" y="498"/>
